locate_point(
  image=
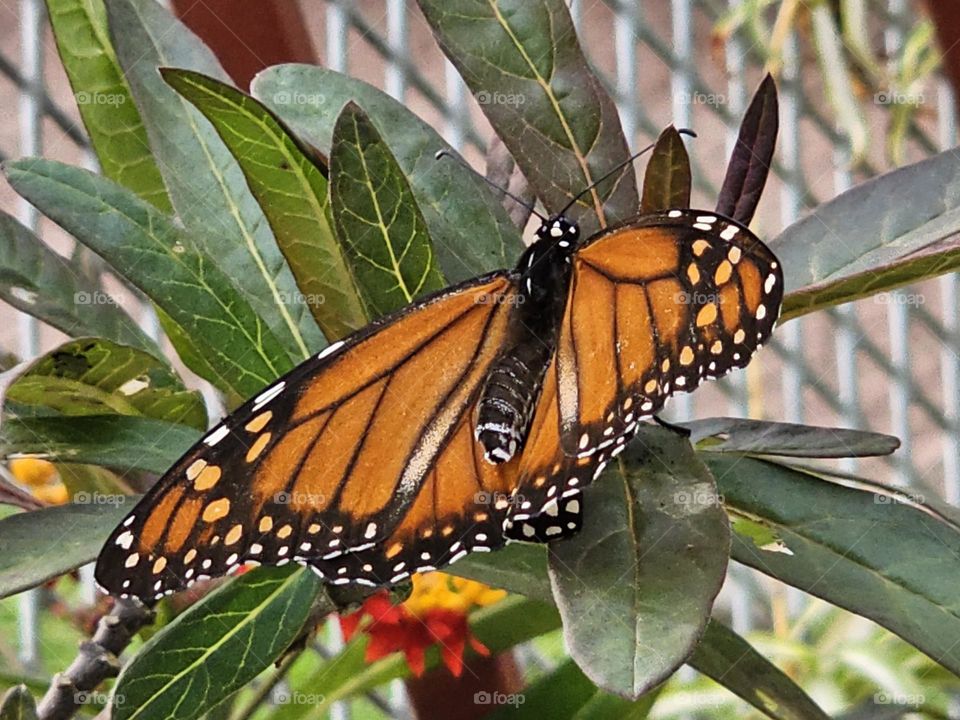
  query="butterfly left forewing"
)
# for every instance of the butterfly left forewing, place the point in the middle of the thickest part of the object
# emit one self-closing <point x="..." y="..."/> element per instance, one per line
<point x="656" y="306"/>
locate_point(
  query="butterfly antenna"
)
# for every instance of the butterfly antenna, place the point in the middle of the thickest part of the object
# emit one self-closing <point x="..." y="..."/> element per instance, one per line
<point x="618" y="168"/>
<point x="461" y="161"/>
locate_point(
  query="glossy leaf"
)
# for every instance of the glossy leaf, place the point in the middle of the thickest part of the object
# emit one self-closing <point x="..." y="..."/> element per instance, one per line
<point x="635" y="586"/>
<point x="524" y="66"/>
<point x="121" y="442"/>
<point x="103" y="98"/>
<point x="738" y="435"/>
<point x="217" y="646"/>
<point x="18" y="704"/>
<point x="92" y="376"/>
<point x="895" y="563"/>
<point x="731" y="661"/>
<point x="206" y="185"/>
<point x="377" y="218"/>
<point x="43" y="544"/>
<point x="471" y="232"/>
<point x="667" y="181"/>
<point x="871" y="238"/>
<point x="520" y="568"/>
<point x="289" y="180"/>
<point x="146" y="248"/>
<point x="36" y="280"/>
<point x="752" y="155"/>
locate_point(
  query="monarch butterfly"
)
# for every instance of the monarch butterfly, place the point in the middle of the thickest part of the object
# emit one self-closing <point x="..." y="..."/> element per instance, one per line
<point x="471" y="418"/>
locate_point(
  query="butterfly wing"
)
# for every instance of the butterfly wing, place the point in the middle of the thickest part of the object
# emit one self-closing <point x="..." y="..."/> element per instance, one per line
<point x="361" y="447"/>
<point x="655" y="307"/>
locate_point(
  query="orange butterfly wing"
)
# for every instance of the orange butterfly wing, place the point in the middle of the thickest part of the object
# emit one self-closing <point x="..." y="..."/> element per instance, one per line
<point x="362" y="457"/>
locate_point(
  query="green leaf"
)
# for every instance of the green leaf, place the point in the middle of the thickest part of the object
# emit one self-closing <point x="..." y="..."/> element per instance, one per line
<point x="103" y="98"/>
<point x="206" y="185"/>
<point x="43" y="544"/>
<point x="738" y="435"/>
<point x="36" y="280"/>
<point x="122" y="442"/>
<point x="731" y="661"/>
<point x="217" y="646"/>
<point x="522" y="62"/>
<point x="18" y="704"/>
<point x="289" y="180"/>
<point x="667" y="181"/>
<point x="895" y="563"/>
<point x="869" y="239"/>
<point x="635" y="586"/>
<point x="145" y="247"/>
<point x="377" y="218"/>
<point x="471" y="232"/>
<point x="752" y="155"/>
<point x="92" y="376"/>
<point x="520" y="568"/>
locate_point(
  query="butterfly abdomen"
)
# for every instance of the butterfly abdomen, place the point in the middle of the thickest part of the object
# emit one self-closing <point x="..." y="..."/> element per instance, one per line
<point x="503" y="414"/>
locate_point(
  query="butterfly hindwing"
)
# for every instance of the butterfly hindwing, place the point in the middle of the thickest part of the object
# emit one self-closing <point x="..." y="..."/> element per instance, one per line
<point x="330" y="459"/>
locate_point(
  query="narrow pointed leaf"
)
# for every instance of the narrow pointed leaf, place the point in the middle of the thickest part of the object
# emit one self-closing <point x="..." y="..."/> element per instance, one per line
<point x="122" y="442"/>
<point x="525" y="67"/>
<point x="377" y="218"/>
<point x="738" y="435"/>
<point x="470" y="230"/>
<point x="635" y="586"/>
<point x="18" y="704"/>
<point x="205" y="183"/>
<point x="36" y="280"/>
<point x="92" y="376"/>
<point x="217" y="646"/>
<point x="42" y="544"/>
<point x="897" y="564"/>
<point x="731" y="661"/>
<point x="289" y="180"/>
<point x="163" y="261"/>
<point x="103" y="98"/>
<point x="667" y="181"/>
<point x="752" y="155"/>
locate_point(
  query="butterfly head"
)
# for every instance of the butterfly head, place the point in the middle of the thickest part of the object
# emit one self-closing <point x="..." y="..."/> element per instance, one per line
<point x="559" y="230"/>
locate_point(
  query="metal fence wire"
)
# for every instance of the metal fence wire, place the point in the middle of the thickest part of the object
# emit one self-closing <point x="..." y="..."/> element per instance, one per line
<point x="888" y="364"/>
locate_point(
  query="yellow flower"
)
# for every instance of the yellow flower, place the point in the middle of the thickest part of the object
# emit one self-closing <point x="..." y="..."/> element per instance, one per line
<point x="52" y="494"/>
<point x="438" y="590"/>
<point x="33" y="471"/>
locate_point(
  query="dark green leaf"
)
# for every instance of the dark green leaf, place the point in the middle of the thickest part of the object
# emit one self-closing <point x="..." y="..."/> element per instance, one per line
<point x="41" y="283"/>
<point x="635" y="586"/>
<point x="112" y="120"/>
<point x="377" y="218"/>
<point x="667" y="181"/>
<point x="894" y="229"/>
<point x="18" y="704"/>
<point x="522" y="62"/>
<point x="122" y="442"/>
<point x="206" y="184"/>
<point x="738" y="435"/>
<point x="289" y="180"/>
<point x="752" y="155"/>
<point x="520" y="568"/>
<point x="183" y="280"/>
<point x="471" y="232"/>
<point x="42" y="544"/>
<point x="895" y="563"/>
<point x="217" y="646"/>
<point x="92" y="376"/>
<point x="731" y="661"/>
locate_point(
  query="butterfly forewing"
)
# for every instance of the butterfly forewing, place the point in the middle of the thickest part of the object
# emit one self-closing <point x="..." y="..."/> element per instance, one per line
<point x="334" y="460"/>
<point x="654" y="307"/>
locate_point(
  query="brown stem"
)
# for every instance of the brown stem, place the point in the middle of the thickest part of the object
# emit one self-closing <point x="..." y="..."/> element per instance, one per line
<point x="946" y="18"/>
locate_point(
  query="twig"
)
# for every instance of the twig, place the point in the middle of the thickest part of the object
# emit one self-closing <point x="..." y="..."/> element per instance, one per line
<point x="96" y="661"/>
<point x="503" y="171"/>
